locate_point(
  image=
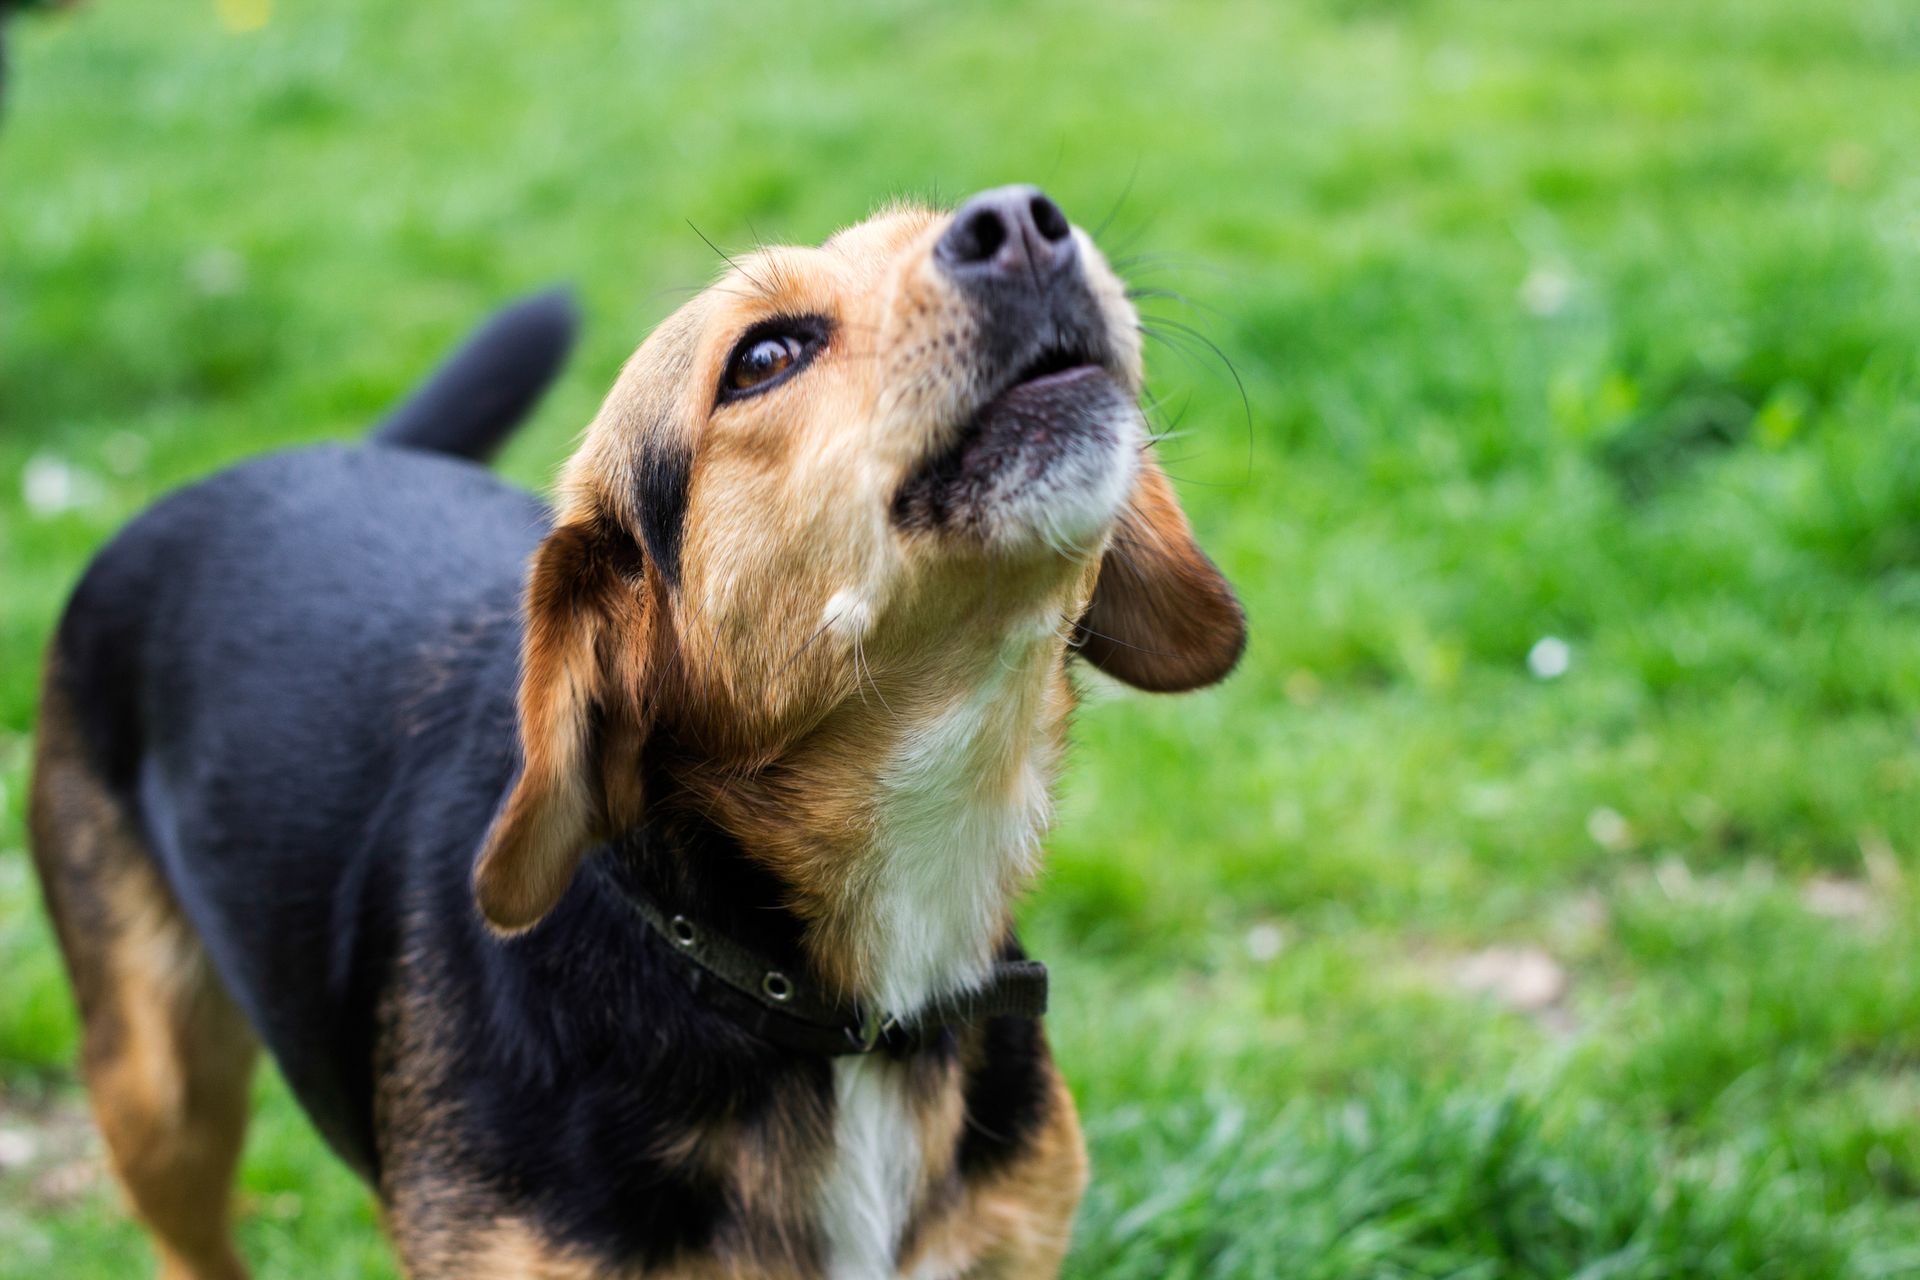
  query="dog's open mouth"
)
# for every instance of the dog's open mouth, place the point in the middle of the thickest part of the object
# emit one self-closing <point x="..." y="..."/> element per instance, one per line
<point x="1051" y="365"/>
<point x="1058" y="406"/>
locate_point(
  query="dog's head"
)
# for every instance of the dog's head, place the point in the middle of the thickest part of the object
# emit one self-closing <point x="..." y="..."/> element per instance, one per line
<point x="841" y="489"/>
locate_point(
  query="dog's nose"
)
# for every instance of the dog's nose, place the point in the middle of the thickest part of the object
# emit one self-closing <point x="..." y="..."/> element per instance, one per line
<point x="1007" y="233"/>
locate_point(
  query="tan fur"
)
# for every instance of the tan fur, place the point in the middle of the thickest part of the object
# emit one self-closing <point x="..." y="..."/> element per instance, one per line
<point x="1021" y="1221"/>
<point x="497" y="1248"/>
<point x="586" y="647"/>
<point x="511" y="1250"/>
<point x="1015" y="1224"/>
<point x="166" y="1055"/>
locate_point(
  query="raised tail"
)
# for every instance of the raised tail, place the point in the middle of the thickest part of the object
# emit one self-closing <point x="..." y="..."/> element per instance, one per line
<point x="480" y="393"/>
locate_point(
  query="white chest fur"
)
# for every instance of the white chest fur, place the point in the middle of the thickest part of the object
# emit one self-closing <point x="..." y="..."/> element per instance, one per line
<point x="876" y="1166"/>
<point x="957" y="827"/>
<point x="961" y="808"/>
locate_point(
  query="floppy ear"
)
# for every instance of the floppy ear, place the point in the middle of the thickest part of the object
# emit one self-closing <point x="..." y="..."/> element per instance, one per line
<point x="582" y="677"/>
<point x="1162" y="617"/>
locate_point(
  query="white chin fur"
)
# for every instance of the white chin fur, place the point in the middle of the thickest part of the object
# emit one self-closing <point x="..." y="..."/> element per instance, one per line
<point x="1071" y="507"/>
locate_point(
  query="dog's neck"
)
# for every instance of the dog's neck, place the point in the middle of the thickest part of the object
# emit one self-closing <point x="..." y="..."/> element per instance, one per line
<point x="905" y="826"/>
<point x="960" y="804"/>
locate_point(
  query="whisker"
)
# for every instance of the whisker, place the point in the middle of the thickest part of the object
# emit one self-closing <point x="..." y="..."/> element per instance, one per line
<point x="1192" y="482"/>
<point x="1125" y="191"/>
<point x="1120" y="250"/>
<point x="1159" y="261"/>
<point x="1151" y="293"/>
<point x="808" y="643"/>
<point x="1174" y="344"/>
<point x="1079" y="627"/>
<point x="1160" y="437"/>
<point x="1246" y="403"/>
<point x="1154" y="405"/>
<point x="860" y="665"/>
<point x="728" y="259"/>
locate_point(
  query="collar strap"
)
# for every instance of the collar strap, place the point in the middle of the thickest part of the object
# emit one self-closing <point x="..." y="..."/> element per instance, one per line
<point x="775" y="1004"/>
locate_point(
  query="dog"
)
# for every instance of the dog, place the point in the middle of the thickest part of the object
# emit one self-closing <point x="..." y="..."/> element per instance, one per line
<point x="623" y="888"/>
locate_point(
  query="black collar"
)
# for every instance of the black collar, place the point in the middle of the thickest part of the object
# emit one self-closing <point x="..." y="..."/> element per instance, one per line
<point x="772" y="1002"/>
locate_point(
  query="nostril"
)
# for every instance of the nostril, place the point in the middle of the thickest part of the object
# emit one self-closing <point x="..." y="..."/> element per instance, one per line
<point x="1048" y="220"/>
<point x="981" y="236"/>
<point x="1008" y="233"/>
<point x="988" y="231"/>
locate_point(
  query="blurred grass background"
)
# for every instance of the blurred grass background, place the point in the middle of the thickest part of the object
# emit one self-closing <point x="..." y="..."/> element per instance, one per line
<point x="1537" y="899"/>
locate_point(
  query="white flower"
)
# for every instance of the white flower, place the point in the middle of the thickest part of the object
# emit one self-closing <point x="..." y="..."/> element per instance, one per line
<point x="50" y="485"/>
<point x="1549" y="658"/>
<point x="17" y="1148"/>
<point x="1264" y="941"/>
<point x="1609" y="829"/>
<point x="217" y="273"/>
<point x="1546" y="291"/>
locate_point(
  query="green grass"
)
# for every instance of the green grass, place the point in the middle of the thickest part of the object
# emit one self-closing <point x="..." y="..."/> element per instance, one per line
<point x="1598" y="322"/>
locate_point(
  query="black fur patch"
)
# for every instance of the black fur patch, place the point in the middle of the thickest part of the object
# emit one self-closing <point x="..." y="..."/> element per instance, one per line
<point x="666" y="473"/>
<point x="1006" y="1096"/>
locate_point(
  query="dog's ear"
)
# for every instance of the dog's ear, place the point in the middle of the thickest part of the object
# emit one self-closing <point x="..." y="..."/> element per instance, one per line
<point x="582" y="701"/>
<point x="1162" y="617"/>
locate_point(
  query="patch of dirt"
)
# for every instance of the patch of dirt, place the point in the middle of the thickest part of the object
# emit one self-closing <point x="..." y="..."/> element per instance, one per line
<point x="1838" y="898"/>
<point x="50" y="1154"/>
<point x="1525" y="979"/>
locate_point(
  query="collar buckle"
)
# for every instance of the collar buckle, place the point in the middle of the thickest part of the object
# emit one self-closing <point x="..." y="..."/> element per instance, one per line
<point x="873" y="1025"/>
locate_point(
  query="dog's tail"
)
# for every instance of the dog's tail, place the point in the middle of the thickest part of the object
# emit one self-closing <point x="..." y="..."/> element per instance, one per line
<point x="480" y="393"/>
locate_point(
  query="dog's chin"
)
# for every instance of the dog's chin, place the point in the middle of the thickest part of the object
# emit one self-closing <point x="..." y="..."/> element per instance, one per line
<point x="1046" y="464"/>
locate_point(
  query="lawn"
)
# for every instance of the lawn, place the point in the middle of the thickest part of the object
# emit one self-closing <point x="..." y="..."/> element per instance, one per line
<point x="1538" y="900"/>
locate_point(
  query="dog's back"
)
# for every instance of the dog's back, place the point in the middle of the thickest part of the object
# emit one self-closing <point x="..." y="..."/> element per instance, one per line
<point x="190" y="798"/>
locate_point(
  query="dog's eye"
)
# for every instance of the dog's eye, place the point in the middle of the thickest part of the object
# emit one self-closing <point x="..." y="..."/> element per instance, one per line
<point x="762" y="360"/>
<point x="769" y="353"/>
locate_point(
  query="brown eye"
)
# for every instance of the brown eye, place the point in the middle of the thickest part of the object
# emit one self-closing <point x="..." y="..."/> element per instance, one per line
<point x="770" y="352"/>
<point x="761" y="361"/>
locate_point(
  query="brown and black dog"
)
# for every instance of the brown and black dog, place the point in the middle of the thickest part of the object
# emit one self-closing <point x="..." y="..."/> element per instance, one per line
<point x="624" y="889"/>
